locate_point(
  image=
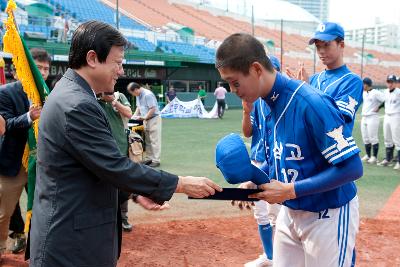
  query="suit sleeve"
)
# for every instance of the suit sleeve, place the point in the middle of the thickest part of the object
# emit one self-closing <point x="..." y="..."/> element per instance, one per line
<point x="89" y="139"/>
<point x="7" y="110"/>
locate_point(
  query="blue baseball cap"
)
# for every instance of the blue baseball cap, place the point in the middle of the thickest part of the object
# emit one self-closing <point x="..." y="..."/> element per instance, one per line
<point x="233" y="160"/>
<point x="327" y="31"/>
<point x="275" y="62"/>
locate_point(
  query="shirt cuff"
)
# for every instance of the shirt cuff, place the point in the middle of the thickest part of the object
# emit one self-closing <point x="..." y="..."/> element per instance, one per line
<point x="29" y="117"/>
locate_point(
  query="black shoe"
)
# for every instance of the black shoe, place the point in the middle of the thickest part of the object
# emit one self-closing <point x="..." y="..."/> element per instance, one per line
<point x="19" y="245"/>
<point x="126" y="226"/>
<point x="154" y="164"/>
<point x="146" y="162"/>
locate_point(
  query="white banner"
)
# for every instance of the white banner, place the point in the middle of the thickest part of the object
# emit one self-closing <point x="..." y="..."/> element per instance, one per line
<point x="190" y="109"/>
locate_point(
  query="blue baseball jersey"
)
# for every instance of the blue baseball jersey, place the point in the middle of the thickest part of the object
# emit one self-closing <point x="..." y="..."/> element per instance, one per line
<point x="258" y="115"/>
<point x="345" y="87"/>
<point x="307" y="134"/>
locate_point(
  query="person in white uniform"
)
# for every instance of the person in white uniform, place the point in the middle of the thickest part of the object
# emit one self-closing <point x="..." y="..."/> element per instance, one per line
<point x="372" y="100"/>
<point x="391" y="122"/>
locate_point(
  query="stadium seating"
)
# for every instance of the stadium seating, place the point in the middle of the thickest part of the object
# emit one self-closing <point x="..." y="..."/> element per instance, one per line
<point x="159" y="13"/>
<point x="206" y="55"/>
<point x="93" y="9"/>
<point x="142" y="44"/>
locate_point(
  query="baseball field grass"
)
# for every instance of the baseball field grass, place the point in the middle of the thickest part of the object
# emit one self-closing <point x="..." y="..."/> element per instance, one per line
<point x="188" y="148"/>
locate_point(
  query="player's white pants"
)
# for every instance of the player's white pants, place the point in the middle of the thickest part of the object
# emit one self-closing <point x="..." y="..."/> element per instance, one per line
<point x="266" y="213"/>
<point x="369" y="129"/>
<point x="391" y="130"/>
<point x="315" y="239"/>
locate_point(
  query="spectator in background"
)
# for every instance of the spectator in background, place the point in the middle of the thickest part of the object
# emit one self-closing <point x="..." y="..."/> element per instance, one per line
<point x="117" y="109"/>
<point x="148" y="111"/>
<point x="16" y="226"/>
<point x="59" y="24"/>
<point x="202" y="94"/>
<point x="220" y="93"/>
<point x="171" y="94"/>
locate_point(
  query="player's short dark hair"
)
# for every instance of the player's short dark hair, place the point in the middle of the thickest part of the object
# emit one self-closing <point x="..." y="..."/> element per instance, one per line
<point x="132" y="86"/>
<point x="93" y="35"/>
<point x="40" y="55"/>
<point x="239" y="51"/>
<point x="339" y="39"/>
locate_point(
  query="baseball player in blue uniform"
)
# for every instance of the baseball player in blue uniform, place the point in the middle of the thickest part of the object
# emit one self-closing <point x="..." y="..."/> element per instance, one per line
<point x="337" y="81"/>
<point x="344" y="86"/>
<point x="313" y="159"/>
<point x="253" y="125"/>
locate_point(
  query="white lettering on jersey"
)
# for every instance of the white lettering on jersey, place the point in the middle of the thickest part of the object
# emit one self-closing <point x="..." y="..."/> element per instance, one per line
<point x="290" y="175"/>
<point x="278" y="150"/>
<point x="352" y="104"/>
<point x="295" y="155"/>
<point x="337" y="135"/>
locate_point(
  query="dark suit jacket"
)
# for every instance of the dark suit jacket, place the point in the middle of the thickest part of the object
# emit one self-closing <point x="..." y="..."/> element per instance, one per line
<point x="79" y="168"/>
<point x="14" y="106"/>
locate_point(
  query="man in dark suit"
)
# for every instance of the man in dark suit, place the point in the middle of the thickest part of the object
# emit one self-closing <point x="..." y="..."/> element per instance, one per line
<point x="75" y="219"/>
<point x="14" y="107"/>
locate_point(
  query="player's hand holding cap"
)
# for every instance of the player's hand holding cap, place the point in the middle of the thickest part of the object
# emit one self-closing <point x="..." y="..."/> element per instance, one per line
<point x="233" y="160"/>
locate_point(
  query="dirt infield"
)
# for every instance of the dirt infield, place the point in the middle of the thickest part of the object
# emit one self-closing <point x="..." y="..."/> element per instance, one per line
<point x="233" y="240"/>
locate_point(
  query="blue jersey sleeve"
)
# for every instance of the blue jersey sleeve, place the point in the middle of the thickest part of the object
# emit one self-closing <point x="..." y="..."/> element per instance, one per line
<point x="347" y="171"/>
<point x="329" y="132"/>
<point x="349" y="97"/>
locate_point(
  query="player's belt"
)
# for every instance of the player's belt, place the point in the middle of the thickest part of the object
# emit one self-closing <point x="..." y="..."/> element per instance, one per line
<point x="233" y="194"/>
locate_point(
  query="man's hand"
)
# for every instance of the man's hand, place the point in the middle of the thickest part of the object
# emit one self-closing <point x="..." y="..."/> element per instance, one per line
<point x="301" y="75"/>
<point x="275" y="192"/>
<point x="290" y="74"/>
<point x="149" y="204"/>
<point x="34" y="112"/>
<point x="245" y="204"/>
<point x="197" y="187"/>
<point x="247" y="107"/>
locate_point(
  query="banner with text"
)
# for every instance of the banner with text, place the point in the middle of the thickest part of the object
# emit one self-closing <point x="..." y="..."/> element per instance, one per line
<point x="191" y="109"/>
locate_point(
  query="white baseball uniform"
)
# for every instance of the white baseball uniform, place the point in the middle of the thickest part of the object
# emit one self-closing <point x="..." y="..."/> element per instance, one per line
<point x="370" y="116"/>
<point x="391" y="122"/>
